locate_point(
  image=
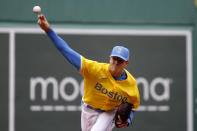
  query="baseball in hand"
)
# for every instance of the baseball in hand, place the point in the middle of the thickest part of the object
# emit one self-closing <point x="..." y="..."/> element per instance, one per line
<point x="37" y="9"/>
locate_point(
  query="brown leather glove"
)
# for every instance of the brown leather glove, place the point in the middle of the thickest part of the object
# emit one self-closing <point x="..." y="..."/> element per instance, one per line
<point x="123" y="114"/>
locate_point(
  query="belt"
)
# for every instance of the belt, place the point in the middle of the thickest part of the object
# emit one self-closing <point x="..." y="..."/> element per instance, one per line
<point x="86" y="105"/>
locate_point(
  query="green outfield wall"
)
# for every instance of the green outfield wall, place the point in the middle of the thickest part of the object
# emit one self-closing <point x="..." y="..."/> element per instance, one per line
<point x="161" y="35"/>
<point x="45" y="90"/>
<point x="102" y="11"/>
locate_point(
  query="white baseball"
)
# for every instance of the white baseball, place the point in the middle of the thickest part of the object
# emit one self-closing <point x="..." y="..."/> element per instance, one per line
<point x="37" y="9"/>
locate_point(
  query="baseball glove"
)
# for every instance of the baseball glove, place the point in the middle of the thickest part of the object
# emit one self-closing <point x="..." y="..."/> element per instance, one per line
<point x="123" y="114"/>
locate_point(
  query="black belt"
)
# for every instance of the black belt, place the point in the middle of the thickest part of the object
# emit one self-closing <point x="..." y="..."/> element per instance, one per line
<point x="98" y="110"/>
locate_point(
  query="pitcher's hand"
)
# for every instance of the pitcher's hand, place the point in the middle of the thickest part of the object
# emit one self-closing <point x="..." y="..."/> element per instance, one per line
<point x="43" y="23"/>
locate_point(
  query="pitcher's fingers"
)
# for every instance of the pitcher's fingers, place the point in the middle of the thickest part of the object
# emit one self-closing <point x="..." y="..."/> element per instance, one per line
<point x="39" y="22"/>
<point x="41" y="17"/>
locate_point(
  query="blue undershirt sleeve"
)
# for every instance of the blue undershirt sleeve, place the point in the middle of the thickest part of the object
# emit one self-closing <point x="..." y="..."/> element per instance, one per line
<point x="131" y="117"/>
<point x="72" y="56"/>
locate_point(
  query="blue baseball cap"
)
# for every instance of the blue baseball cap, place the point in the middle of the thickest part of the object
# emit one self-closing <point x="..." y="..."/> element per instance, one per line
<point x="121" y="52"/>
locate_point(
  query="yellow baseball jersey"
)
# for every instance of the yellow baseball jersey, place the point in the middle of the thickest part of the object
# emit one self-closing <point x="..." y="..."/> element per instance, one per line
<point x="102" y="91"/>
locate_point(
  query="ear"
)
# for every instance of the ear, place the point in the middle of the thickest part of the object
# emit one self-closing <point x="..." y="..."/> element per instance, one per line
<point x="126" y="63"/>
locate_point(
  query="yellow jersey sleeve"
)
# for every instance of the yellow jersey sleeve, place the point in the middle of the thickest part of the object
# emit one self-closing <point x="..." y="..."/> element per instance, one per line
<point x="134" y="97"/>
<point x="133" y="92"/>
<point x="89" y="67"/>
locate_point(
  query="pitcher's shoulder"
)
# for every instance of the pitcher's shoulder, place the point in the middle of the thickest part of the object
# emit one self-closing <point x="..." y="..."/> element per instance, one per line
<point x="130" y="76"/>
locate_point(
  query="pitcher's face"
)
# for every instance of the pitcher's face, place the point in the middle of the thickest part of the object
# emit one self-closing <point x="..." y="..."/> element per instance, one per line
<point x="117" y="64"/>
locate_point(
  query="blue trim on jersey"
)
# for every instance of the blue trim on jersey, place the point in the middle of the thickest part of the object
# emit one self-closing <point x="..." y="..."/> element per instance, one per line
<point x="122" y="77"/>
<point x="86" y="105"/>
<point x="72" y="56"/>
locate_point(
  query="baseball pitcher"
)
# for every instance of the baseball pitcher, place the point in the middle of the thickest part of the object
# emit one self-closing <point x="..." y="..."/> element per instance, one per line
<point x="110" y="92"/>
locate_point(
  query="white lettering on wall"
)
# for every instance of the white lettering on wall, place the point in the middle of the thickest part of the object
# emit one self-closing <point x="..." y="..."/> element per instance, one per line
<point x="149" y="88"/>
<point x="75" y="86"/>
<point x="43" y="84"/>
